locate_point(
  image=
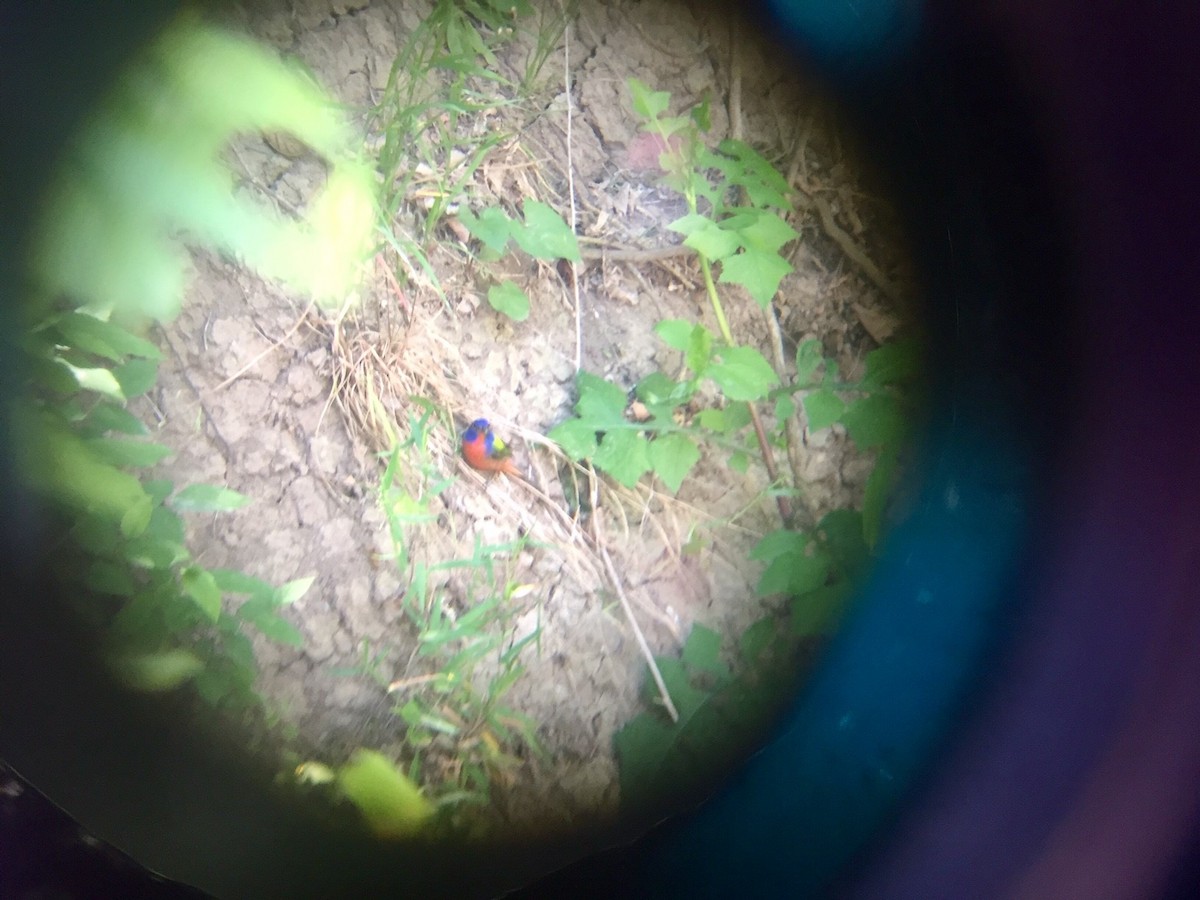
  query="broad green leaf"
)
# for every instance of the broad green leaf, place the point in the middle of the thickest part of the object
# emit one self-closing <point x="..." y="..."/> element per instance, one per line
<point x="779" y="543"/>
<point x="809" y="355"/>
<point x="767" y="232"/>
<point x="110" y="417"/>
<point x="725" y="421"/>
<point x="136" y="377"/>
<point x="739" y="462"/>
<point x="155" y="672"/>
<point x="656" y="389"/>
<point x="390" y="802"/>
<point x="165" y="525"/>
<point x="707" y="237"/>
<point x="785" y="408"/>
<point x="672" y="457"/>
<point x="102" y="381"/>
<point x="208" y="498"/>
<point x="699" y="350"/>
<point x="576" y="437"/>
<point x="758" y="272"/>
<point x="275" y="627"/>
<point x="153" y="553"/>
<point x="841" y="533"/>
<point x="510" y="300"/>
<point x="232" y="581"/>
<point x="823" y="407"/>
<point x="546" y="235"/>
<point x="702" y="651"/>
<point x="742" y="373"/>
<point x="700" y="113"/>
<point x="289" y="593"/>
<point x="492" y="227"/>
<point x="757" y="638"/>
<point x="675" y="333"/>
<point x="57" y="464"/>
<point x="624" y="455"/>
<point x="648" y="104"/>
<point x="764" y="185"/>
<point x="200" y="585"/>
<point x="794" y="573"/>
<point x="895" y="363"/>
<point x="874" y="421"/>
<point x="126" y="453"/>
<point x="600" y="402"/>
<point x="103" y="338"/>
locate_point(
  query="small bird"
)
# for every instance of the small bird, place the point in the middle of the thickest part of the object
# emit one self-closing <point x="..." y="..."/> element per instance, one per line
<point x="484" y="451"/>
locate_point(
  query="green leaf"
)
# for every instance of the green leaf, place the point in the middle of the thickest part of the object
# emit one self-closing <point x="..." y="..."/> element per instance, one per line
<point x="121" y="452"/>
<point x="758" y="272"/>
<point x="546" y="235"/>
<point x="576" y="437"/>
<point x="725" y="421"/>
<point x="648" y="104"/>
<point x="110" y="417"/>
<point x="815" y="611"/>
<point x="102" y="338"/>
<point x="672" y="457"/>
<point x="785" y="408"/>
<point x="232" y="581"/>
<point x="779" y="543"/>
<point x="809" y="355"/>
<point x="699" y="350"/>
<point x="675" y="333"/>
<point x="510" y="300"/>
<point x="208" y="498"/>
<point x="624" y="455"/>
<point x="702" y="651"/>
<point x="390" y="802"/>
<point x="739" y="462"/>
<point x="261" y="614"/>
<point x="200" y="585"/>
<point x="742" y="373"/>
<point x="841" y="533"/>
<point x="823" y="407"/>
<point x="767" y="232"/>
<point x="155" y="672"/>
<point x="492" y="227"/>
<point x="874" y="421"/>
<point x="102" y="381"/>
<point x="764" y="185"/>
<point x="136" y="377"/>
<point x="706" y="237"/>
<point x="289" y="593"/>
<point x="106" y="577"/>
<point x="895" y="363"/>
<point x="600" y="403"/>
<point x="794" y="573"/>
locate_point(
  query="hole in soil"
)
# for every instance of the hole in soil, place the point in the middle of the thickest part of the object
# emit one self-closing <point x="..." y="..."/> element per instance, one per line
<point x="489" y="633"/>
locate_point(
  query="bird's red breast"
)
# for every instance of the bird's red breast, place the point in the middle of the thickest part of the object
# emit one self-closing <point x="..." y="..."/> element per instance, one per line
<point x="484" y="451"/>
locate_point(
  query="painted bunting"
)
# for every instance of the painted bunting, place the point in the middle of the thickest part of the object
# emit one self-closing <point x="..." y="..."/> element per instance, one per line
<point x="484" y="451"/>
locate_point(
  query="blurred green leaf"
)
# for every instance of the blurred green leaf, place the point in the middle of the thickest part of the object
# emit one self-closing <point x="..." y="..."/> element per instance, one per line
<point x="289" y="593"/>
<point x="208" y="498"/>
<point x="809" y="355"/>
<point x="742" y="373"/>
<point x="671" y="457"/>
<point x="136" y="377"/>
<point x="391" y="803"/>
<point x="600" y="402"/>
<point x="675" y="333"/>
<point x="624" y="455"/>
<point x="758" y="271"/>
<point x="576" y="437"/>
<point x="200" y="585"/>
<point x="156" y="672"/>
<point x="823" y="407"/>
<point x="546" y="235"/>
<point x="510" y="300"/>
<point x="127" y="453"/>
<point x="874" y="421"/>
<point x="648" y="104"/>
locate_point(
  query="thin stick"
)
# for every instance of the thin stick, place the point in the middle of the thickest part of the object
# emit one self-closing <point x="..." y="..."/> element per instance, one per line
<point x="571" y="187"/>
<point x="637" y="631"/>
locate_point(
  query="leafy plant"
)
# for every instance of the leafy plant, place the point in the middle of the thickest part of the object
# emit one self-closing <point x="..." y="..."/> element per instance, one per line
<point x="144" y="172"/>
<point x="459" y="736"/>
<point x="726" y="708"/>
